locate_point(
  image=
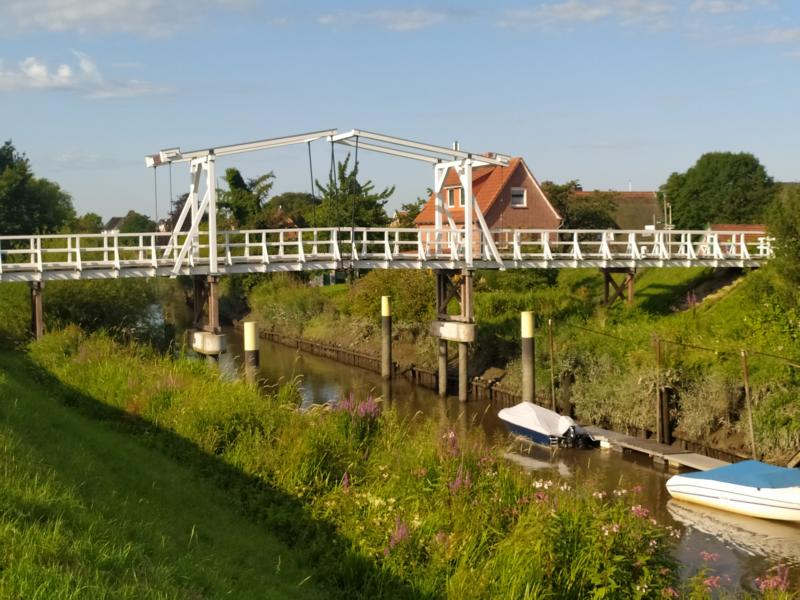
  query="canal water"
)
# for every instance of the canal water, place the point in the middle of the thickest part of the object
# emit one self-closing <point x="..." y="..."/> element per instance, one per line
<point x="743" y="548"/>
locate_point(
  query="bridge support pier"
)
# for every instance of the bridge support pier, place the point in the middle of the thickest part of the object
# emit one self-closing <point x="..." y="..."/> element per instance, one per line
<point x="37" y="310"/>
<point x="622" y="289"/>
<point x="460" y="328"/>
<point x="208" y="338"/>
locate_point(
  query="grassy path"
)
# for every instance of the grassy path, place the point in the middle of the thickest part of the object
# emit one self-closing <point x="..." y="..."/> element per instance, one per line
<point x="87" y="511"/>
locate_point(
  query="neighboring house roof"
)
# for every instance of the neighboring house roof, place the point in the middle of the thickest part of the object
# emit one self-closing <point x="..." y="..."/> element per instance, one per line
<point x="114" y="223"/>
<point x="737" y="227"/>
<point x="757" y="228"/>
<point x="488" y="183"/>
<point x="634" y="209"/>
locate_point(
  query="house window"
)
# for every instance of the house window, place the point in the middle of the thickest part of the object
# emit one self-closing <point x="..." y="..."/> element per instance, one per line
<point x="462" y="198"/>
<point x="519" y="197"/>
<point x="451" y="197"/>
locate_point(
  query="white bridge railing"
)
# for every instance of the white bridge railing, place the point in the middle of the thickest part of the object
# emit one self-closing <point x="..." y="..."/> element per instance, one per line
<point x="110" y="255"/>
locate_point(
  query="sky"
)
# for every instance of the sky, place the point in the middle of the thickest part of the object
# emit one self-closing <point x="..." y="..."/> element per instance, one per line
<point x="613" y="93"/>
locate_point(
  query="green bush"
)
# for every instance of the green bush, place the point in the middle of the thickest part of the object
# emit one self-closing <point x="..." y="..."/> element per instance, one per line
<point x="412" y="293"/>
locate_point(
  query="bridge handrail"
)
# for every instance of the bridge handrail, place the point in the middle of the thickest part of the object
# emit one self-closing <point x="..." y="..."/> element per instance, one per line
<point x="246" y="250"/>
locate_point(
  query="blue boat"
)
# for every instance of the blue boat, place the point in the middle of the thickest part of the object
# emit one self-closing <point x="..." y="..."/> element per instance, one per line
<point x="748" y="488"/>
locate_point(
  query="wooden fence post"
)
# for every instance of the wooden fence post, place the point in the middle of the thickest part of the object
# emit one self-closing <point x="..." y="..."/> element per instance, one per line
<point x="746" y="375"/>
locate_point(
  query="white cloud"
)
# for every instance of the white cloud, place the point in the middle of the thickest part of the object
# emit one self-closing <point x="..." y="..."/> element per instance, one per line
<point x="780" y="35"/>
<point x="150" y="17"/>
<point x="718" y="7"/>
<point x="653" y="13"/>
<point x="85" y="78"/>
<point x="395" y="20"/>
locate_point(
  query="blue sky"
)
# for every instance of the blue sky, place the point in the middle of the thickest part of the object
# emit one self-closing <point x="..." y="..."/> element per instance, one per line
<point x="604" y="91"/>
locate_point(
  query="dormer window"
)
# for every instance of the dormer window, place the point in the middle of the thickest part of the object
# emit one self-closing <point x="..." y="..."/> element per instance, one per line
<point x="455" y="195"/>
<point x="519" y="197"/>
<point x="462" y="197"/>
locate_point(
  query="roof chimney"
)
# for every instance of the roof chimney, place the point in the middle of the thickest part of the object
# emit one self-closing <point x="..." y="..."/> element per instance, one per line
<point x="456" y="145"/>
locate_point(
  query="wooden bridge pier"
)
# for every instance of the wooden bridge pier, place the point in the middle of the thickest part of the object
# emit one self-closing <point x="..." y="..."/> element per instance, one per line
<point x="206" y="302"/>
<point x="208" y="338"/>
<point x="621" y="289"/>
<point x="37" y="310"/>
<point x="460" y="328"/>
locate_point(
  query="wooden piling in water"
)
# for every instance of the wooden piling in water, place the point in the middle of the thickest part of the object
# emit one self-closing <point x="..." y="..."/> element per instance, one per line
<point x="252" y="356"/>
<point x="37" y="310"/>
<point x="442" y="368"/>
<point x="528" y="357"/>
<point x="463" y="376"/>
<point x="386" y="338"/>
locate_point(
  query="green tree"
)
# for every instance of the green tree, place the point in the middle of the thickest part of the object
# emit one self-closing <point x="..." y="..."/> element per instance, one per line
<point x="243" y="200"/>
<point x="29" y="204"/>
<point x="721" y="187"/>
<point x="783" y="222"/>
<point x="135" y="222"/>
<point x="346" y="201"/>
<point x="296" y="207"/>
<point x="588" y="211"/>
<point x="410" y="211"/>
<point x="88" y="223"/>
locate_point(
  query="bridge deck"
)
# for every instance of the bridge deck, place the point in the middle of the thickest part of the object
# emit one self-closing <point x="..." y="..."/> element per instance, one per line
<point x="112" y="255"/>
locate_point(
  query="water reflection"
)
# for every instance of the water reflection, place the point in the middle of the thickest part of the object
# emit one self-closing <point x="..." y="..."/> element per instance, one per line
<point x="747" y="547"/>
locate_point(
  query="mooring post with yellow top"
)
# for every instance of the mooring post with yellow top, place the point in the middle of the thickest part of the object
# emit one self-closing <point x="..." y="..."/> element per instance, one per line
<point x="252" y="356"/>
<point x="528" y="358"/>
<point x="386" y="346"/>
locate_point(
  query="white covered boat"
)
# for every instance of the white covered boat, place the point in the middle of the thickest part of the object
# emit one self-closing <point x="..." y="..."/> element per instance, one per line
<point x="748" y="488"/>
<point x="544" y="426"/>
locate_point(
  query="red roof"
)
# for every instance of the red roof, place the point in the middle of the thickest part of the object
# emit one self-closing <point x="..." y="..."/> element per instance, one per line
<point x="737" y="227"/>
<point x="488" y="183"/>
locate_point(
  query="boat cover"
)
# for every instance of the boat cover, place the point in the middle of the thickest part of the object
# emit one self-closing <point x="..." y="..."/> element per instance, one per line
<point x="537" y="418"/>
<point x="751" y="473"/>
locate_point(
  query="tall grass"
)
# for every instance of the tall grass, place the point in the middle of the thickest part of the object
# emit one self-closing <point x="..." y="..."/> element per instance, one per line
<point x="434" y="509"/>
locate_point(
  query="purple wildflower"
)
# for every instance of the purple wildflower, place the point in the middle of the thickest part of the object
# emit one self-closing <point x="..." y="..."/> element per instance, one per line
<point x="462" y="480"/>
<point x="640" y="511"/>
<point x="779" y="581"/>
<point x="709" y="556"/>
<point x="369" y="409"/>
<point x="400" y="533"/>
<point x="450" y="442"/>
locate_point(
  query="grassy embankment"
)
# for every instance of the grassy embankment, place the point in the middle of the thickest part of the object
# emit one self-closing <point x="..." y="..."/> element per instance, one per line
<point x="614" y="374"/>
<point x="379" y="507"/>
<point x="87" y="511"/>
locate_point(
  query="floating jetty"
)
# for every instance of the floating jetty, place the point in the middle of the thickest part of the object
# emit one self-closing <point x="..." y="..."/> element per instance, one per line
<point x="660" y="453"/>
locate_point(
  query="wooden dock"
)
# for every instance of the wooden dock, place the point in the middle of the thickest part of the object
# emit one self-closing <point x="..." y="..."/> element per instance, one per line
<point x="660" y="453"/>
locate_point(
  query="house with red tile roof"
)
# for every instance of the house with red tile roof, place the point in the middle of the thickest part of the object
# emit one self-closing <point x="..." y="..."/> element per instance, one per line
<point x="509" y="197"/>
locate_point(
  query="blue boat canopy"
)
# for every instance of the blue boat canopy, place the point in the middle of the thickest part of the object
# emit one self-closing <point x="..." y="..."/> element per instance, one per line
<point x="751" y="473"/>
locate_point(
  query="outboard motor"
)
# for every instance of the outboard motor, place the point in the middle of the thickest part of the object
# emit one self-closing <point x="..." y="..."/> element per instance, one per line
<point x="574" y="438"/>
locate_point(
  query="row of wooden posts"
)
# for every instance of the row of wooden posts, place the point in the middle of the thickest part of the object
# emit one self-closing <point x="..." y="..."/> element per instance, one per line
<point x="388" y="368"/>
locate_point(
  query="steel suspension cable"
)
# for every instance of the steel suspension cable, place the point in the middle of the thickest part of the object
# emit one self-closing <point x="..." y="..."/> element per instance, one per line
<point x="155" y="194"/>
<point x="311" y="173"/>
<point x="353" y="183"/>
